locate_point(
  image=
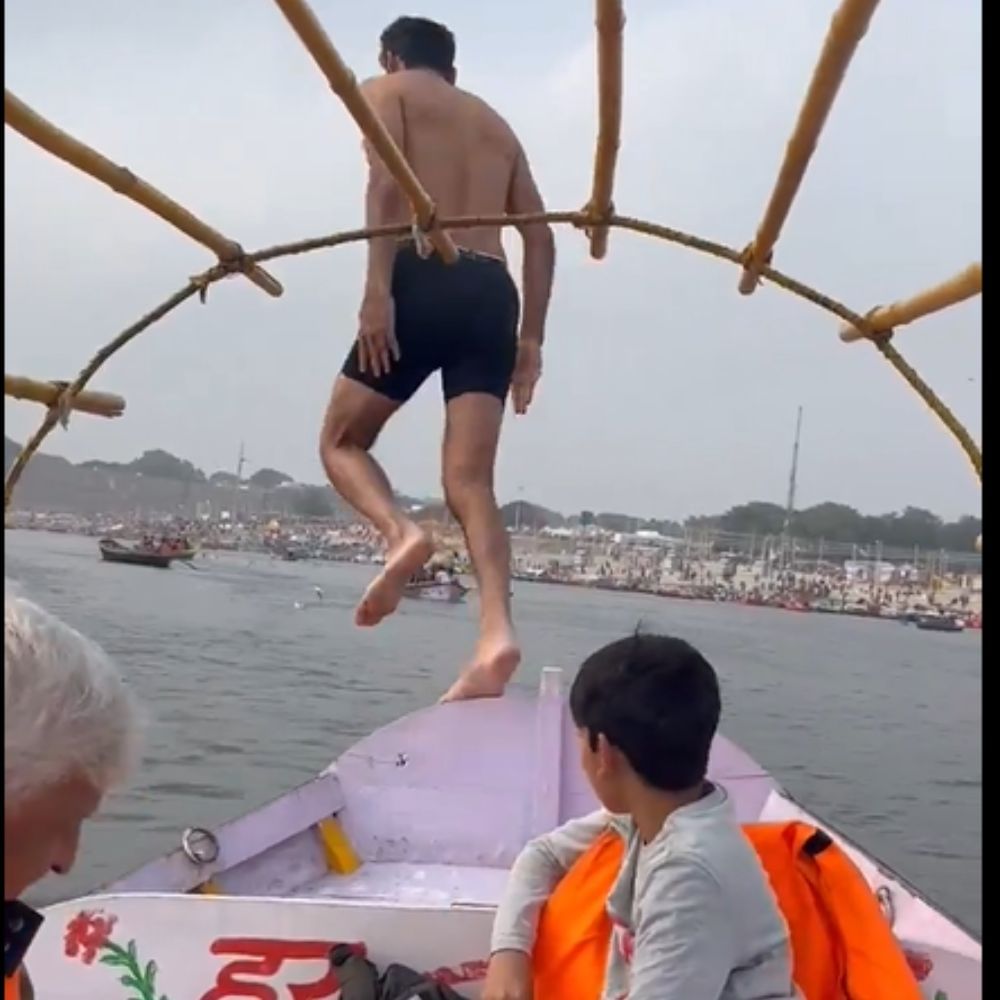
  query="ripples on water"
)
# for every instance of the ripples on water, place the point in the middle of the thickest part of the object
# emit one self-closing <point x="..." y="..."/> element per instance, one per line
<point x="873" y="725"/>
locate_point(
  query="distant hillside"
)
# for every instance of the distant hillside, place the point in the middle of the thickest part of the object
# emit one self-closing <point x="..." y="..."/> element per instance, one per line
<point x="158" y="483"/>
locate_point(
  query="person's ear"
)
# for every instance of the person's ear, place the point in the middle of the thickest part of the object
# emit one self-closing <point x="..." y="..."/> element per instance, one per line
<point x="607" y="757"/>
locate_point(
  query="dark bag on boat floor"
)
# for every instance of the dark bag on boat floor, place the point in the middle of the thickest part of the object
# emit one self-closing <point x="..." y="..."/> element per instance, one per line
<point x="359" y="980"/>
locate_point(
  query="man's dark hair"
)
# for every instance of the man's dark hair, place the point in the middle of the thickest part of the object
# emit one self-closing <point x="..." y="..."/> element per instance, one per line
<point x="421" y="44"/>
<point x="656" y="699"/>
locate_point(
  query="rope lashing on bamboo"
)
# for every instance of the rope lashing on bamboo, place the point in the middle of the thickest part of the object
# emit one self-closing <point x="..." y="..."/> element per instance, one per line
<point x="198" y="284"/>
<point x="120" y="179"/>
<point x="421" y="236"/>
<point x="610" y="22"/>
<point x="342" y="81"/>
<point x="73" y="390"/>
<point x="101" y="404"/>
<point x="847" y="28"/>
<point x="883" y="320"/>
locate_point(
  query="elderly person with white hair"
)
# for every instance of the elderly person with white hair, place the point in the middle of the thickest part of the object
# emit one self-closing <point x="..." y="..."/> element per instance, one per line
<point x="70" y="734"/>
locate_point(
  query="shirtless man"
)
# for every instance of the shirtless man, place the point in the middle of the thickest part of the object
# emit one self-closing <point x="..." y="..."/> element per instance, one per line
<point x="419" y="315"/>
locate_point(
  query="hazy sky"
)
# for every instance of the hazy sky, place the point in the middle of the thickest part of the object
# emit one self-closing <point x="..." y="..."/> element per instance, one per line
<point x="665" y="392"/>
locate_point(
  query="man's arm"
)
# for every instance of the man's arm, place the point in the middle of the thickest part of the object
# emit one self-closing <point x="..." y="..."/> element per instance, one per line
<point x="384" y="201"/>
<point x="533" y="876"/>
<point x="539" y="251"/>
<point x="684" y="946"/>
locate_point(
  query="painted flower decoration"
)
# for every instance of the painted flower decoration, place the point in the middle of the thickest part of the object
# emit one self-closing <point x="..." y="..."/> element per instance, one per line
<point x="86" y="934"/>
<point x="920" y="963"/>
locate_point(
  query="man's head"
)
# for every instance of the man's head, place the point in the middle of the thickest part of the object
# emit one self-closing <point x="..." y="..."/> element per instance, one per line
<point x="647" y="708"/>
<point x="417" y="43"/>
<point x="70" y="733"/>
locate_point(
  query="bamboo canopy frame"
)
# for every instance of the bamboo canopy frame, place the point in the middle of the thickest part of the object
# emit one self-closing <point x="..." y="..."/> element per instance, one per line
<point x="101" y="404"/>
<point x="33" y="126"/>
<point x="848" y="26"/>
<point x="884" y="319"/>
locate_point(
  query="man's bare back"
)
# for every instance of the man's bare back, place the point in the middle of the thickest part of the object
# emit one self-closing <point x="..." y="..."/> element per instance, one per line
<point x="462" y="151"/>
<point x="463" y="321"/>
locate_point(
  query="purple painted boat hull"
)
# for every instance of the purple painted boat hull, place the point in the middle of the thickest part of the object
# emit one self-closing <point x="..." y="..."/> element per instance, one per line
<point x="435" y="807"/>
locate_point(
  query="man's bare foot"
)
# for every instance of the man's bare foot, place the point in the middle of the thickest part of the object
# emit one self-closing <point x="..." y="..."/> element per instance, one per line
<point x="492" y="667"/>
<point x="385" y="591"/>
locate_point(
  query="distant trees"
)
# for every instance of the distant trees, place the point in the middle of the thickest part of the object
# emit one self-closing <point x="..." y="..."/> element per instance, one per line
<point x="530" y="516"/>
<point x="832" y="522"/>
<point x="155" y="463"/>
<point x="610" y="521"/>
<point x="269" y="479"/>
<point x="835" y="522"/>
<point x="313" y="501"/>
<point x="163" y="465"/>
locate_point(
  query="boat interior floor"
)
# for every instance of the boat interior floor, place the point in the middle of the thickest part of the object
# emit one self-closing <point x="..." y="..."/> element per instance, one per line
<point x="412" y="884"/>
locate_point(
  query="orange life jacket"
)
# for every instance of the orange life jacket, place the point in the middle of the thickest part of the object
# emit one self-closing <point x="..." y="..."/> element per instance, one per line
<point x="574" y="929"/>
<point x="12" y="986"/>
<point x="842" y="946"/>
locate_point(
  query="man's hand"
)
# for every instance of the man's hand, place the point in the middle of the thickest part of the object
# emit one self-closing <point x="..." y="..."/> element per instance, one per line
<point x="527" y="371"/>
<point x="508" y="977"/>
<point x="377" y="344"/>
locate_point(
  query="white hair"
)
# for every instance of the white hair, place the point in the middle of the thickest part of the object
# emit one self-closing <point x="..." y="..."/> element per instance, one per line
<point x="66" y="708"/>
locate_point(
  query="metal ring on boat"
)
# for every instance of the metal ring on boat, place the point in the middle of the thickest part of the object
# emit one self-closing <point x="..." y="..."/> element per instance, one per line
<point x="884" y="896"/>
<point x="200" y="846"/>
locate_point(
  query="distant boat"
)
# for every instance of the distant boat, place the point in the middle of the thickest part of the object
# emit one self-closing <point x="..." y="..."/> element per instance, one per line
<point x="940" y="623"/>
<point x="114" y="551"/>
<point x="794" y="605"/>
<point x="912" y="615"/>
<point x="860" y="609"/>
<point x="452" y="592"/>
<point x="827" y="606"/>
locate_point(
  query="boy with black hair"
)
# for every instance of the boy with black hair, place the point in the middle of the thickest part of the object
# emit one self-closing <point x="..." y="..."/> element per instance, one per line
<point x="692" y="913"/>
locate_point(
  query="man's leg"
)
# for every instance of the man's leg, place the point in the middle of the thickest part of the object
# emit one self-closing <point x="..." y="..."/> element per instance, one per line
<point x="354" y="418"/>
<point x="472" y="430"/>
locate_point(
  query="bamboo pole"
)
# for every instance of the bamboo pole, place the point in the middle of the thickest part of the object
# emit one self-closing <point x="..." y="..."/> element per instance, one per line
<point x="847" y="28"/>
<point x="101" y="404"/>
<point x="610" y="27"/>
<point x="962" y="286"/>
<point x="343" y="83"/>
<point x="120" y="179"/>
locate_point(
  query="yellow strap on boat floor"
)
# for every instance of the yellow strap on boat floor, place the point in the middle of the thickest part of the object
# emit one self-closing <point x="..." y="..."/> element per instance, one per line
<point x="341" y="858"/>
<point x="208" y="888"/>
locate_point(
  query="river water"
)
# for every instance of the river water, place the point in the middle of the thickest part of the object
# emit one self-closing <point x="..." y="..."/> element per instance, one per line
<point x="875" y="726"/>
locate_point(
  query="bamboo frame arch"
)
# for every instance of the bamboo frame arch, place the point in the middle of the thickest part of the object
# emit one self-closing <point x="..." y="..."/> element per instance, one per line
<point x="847" y="28"/>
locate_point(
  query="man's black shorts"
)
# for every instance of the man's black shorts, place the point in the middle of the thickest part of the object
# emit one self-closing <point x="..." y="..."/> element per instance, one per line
<point x="458" y="318"/>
